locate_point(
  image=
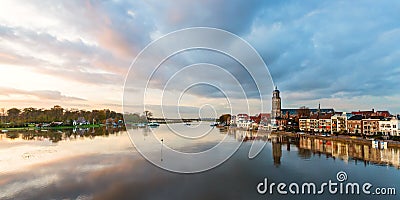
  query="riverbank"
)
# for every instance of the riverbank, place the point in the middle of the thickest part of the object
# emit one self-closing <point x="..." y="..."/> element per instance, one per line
<point x="340" y="138"/>
<point x="51" y="127"/>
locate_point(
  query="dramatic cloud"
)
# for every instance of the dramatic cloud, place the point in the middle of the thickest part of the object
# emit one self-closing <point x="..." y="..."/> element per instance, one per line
<point x="323" y="51"/>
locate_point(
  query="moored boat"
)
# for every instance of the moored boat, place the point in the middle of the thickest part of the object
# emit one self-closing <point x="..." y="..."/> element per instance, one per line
<point x="214" y="124"/>
<point x="153" y="124"/>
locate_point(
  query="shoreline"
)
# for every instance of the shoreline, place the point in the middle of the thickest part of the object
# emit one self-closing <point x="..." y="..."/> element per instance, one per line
<point x="50" y="127"/>
<point x="340" y="138"/>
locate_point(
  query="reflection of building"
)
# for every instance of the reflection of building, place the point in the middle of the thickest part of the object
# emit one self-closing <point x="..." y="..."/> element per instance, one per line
<point x="277" y="153"/>
<point x="349" y="151"/>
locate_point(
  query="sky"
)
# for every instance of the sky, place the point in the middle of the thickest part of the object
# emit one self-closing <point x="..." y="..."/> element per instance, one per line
<point x="342" y="54"/>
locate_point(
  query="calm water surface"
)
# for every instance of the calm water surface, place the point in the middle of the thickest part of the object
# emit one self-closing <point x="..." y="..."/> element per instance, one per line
<point x="103" y="164"/>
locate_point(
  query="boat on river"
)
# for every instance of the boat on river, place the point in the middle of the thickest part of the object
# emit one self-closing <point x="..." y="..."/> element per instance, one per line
<point x="153" y="124"/>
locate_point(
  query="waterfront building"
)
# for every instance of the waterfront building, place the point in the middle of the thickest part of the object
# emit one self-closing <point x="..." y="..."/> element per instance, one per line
<point x="245" y="124"/>
<point x="389" y="126"/>
<point x="243" y="121"/>
<point x="242" y="117"/>
<point x="282" y="118"/>
<point x="294" y="112"/>
<point x="354" y="125"/>
<point x="324" y="123"/>
<point x="371" y="113"/>
<point x="382" y="113"/>
<point x="339" y="123"/>
<point x="370" y="126"/>
<point x="307" y="124"/>
<point x="316" y="123"/>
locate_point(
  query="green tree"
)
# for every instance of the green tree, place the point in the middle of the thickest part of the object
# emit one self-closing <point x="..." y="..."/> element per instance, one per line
<point x="57" y="113"/>
<point x="13" y="114"/>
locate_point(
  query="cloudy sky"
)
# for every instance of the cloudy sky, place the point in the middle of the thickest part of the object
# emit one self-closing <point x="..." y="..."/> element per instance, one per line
<point x="343" y="54"/>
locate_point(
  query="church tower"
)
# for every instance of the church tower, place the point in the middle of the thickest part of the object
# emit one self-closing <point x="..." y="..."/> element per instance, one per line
<point x="276" y="104"/>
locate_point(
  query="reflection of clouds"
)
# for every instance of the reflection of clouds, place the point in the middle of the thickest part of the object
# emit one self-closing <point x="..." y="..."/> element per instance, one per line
<point x="129" y="176"/>
<point x="69" y="177"/>
<point x="19" y="155"/>
<point x="16" y="187"/>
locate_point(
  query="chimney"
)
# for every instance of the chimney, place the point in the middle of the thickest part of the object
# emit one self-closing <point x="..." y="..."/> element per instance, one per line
<point x="373" y="110"/>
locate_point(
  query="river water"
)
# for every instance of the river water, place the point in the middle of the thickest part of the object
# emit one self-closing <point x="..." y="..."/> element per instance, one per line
<point x="103" y="164"/>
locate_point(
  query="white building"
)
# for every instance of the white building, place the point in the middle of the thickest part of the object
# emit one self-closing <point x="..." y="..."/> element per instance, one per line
<point x="389" y="126"/>
<point x="245" y="124"/>
<point x="243" y="121"/>
<point x="242" y="117"/>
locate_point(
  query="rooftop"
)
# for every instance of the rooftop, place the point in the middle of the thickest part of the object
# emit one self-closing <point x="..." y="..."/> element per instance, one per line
<point x="356" y="117"/>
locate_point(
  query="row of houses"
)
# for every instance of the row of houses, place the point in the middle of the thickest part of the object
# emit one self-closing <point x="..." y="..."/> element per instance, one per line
<point x="247" y="122"/>
<point x="359" y="124"/>
<point x="365" y="123"/>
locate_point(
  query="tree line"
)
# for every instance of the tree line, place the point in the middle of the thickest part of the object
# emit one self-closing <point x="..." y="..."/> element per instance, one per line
<point x="15" y="116"/>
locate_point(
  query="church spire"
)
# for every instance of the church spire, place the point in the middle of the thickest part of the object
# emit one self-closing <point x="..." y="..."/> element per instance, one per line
<point x="319" y="109"/>
<point x="276" y="104"/>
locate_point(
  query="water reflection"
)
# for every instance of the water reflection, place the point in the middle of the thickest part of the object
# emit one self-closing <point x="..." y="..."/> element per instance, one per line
<point x="352" y="151"/>
<point x="305" y="147"/>
<point x="62" y="134"/>
<point x="102" y="164"/>
<point x="308" y="147"/>
<point x="277" y="153"/>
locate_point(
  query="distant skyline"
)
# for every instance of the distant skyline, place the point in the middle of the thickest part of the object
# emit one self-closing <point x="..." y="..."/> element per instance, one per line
<point x="76" y="54"/>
